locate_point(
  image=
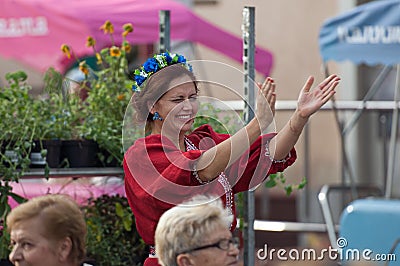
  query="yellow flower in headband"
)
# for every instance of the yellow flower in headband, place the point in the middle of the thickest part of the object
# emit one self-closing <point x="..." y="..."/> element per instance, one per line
<point x="115" y="51"/>
<point x="90" y="41"/>
<point x="66" y="50"/>
<point x="84" y="68"/>
<point x="107" y="27"/>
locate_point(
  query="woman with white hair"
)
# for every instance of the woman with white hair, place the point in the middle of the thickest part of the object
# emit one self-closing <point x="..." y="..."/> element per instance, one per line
<point x="196" y="233"/>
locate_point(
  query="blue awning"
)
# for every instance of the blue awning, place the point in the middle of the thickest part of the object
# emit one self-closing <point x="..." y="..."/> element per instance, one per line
<point x="369" y="33"/>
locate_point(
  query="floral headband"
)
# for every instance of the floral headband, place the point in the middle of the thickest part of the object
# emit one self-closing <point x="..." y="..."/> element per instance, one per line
<point x="155" y="63"/>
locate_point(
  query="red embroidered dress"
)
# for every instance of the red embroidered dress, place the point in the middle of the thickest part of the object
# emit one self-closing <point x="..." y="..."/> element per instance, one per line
<point x="158" y="175"/>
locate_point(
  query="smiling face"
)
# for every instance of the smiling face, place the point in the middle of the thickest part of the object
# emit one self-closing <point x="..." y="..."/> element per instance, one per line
<point x="30" y="247"/>
<point x="177" y="107"/>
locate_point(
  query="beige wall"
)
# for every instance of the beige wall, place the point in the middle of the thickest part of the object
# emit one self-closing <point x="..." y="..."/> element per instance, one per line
<point x="289" y="29"/>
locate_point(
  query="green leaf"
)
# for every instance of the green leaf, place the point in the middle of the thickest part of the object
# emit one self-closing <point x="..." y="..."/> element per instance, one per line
<point x="119" y="210"/>
<point x="46" y="171"/>
<point x="288" y="190"/>
<point x="43" y="153"/>
<point x="2" y="209"/>
<point x="17" y="198"/>
<point x="127" y="223"/>
<point x="27" y="144"/>
<point x="302" y="183"/>
<point x="270" y="183"/>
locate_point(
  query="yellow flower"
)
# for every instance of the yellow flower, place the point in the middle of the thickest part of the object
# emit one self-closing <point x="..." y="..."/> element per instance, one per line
<point x="99" y="59"/>
<point x="127" y="29"/>
<point x="115" y="51"/>
<point x="121" y="97"/>
<point x="66" y="50"/>
<point x="107" y="27"/>
<point x="90" y="41"/>
<point x="126" y="47"/>
<point x="84" y="68"/>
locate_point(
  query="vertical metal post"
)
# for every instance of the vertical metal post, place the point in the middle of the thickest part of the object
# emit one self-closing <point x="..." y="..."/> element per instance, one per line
<point x="249" y="75"/>
<point x="164" y="17"/>
<point x="393" y="137"/>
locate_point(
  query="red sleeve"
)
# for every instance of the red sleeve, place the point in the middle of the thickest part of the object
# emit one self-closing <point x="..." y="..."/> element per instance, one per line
<point x="159" y="166"/>
<point x="254" y="166"/>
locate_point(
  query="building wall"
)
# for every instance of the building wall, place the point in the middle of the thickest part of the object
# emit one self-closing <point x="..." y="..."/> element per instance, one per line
<point x="289" y="29"/>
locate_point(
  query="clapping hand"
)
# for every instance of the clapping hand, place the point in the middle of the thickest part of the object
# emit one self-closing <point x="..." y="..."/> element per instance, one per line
<point x="266" y="103"/>
<point x="310" y="101"/>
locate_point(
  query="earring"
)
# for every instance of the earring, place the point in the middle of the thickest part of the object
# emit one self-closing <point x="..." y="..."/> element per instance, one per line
<point x="156" y="116"/>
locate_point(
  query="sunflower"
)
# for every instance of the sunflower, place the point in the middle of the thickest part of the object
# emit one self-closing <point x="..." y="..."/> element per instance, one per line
<point x="90" y="41"/>
<point x="115" y="51"/>
<point x="107" y="27"/>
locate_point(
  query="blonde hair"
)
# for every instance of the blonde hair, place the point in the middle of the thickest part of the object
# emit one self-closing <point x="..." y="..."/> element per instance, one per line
<point x="185" y="225"/>
<point x="61" y="217"/>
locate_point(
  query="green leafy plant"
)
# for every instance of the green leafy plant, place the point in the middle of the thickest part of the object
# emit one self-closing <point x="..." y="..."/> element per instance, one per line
<point x="108" y="93"/>
<point x="17" y="126"/>
<point x="112" y="237"/>
<point x="59" y="111"/>
<point x="17" y="130"/>
<point x="279" y="180"/>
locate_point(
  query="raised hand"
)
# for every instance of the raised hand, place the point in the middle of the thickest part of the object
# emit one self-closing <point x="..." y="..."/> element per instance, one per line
<point x="311" y="101"/>
<point x="266" y="99"/>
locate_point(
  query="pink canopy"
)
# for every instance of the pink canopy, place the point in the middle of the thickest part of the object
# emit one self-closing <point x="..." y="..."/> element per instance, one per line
<point x="79" y="190"/>
<point x="32" y="31"/>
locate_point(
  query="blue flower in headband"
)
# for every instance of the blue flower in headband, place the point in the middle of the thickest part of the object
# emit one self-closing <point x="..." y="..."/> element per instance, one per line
<point x="181" y="59"/>
<point x="168" y="58"/>
<point x="139" y="79"/>
<point x="150" y="65"/>
<point x="155" y="63"/>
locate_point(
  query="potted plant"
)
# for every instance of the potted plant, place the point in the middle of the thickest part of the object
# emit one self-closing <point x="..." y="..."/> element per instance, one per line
<point x="17" y="124"/>
<point x="63" y="113"/>
<point x="50" y="113"/>
<point x="16" y="131"/>
<point x="108" y="94"/>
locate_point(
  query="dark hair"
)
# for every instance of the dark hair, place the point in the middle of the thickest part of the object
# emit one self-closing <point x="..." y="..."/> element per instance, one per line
<point x="154" y="88"/>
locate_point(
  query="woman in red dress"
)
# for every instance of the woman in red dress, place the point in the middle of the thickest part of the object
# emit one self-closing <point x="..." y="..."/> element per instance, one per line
<point x="172" y="163"/>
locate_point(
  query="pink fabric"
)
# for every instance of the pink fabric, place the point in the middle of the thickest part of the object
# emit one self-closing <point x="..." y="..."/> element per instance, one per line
<point x="80" y="191"/>
<point x="71" y="21"/>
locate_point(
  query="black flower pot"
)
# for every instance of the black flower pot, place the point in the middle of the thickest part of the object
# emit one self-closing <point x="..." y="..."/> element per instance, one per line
<point x="53" y="148"/>
<point x="80" y="153"/>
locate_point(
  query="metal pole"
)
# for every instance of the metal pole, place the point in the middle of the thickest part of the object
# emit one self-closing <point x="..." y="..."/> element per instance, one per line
<point x="371" y="92"/>
<point x="249" y="75"/>
<point x="345" y="159"/>
<point x="164" y="17"/>
<point x="393" y="137"/>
